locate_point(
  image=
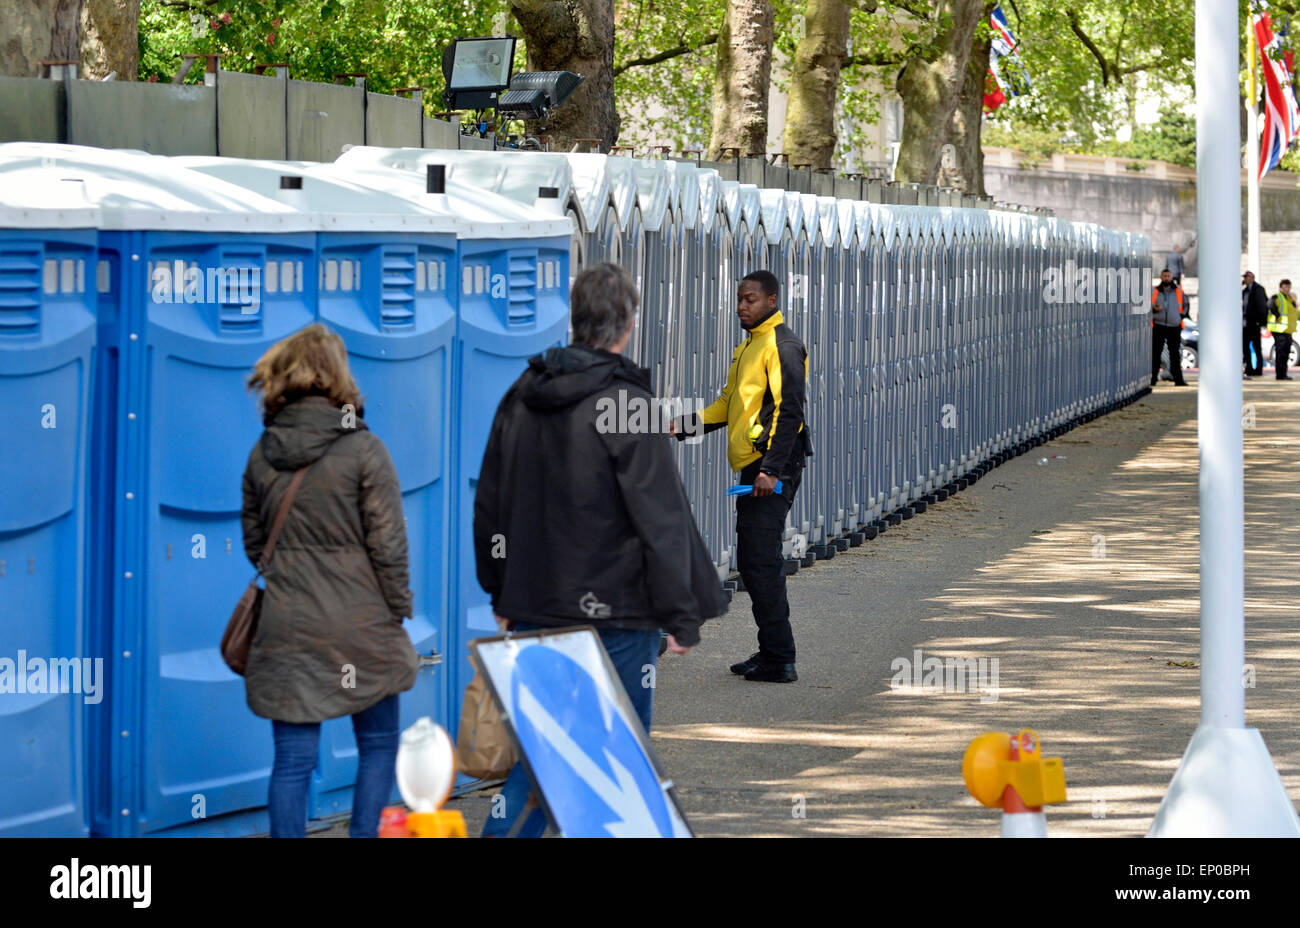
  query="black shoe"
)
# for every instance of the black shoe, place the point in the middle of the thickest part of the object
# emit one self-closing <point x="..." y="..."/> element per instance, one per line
<point x="753" y="662"/>
<point x="1286" y="378"/>
<point x="773" y="673"/>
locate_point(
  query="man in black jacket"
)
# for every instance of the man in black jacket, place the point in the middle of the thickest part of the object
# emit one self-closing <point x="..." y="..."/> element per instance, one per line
<point x="580" y="517"/>
<point x="762" y="408"/>
<point x="1254" y="313"/>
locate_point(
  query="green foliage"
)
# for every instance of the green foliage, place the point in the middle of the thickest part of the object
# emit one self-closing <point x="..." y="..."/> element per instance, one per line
<point x="396" y="43"/>
<point x="671" y="100"/>
<point x="1074" y="93"/>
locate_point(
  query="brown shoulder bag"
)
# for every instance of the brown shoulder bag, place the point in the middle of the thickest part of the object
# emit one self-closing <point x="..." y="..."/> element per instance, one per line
<point x="242" y="627"/>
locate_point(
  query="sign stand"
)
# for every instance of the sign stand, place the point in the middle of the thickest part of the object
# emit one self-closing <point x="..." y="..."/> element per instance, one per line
<point x="588" y="758"/>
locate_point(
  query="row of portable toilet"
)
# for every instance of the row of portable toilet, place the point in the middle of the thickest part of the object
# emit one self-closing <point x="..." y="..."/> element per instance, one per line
<point x="136" y="293"/>
<point x="932" y="349"/>
<point x="939" y="338"/>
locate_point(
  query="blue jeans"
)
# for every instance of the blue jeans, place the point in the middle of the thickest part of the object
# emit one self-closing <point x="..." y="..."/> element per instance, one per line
<point x="630" y="652"/>
<point x="297" y="748"/>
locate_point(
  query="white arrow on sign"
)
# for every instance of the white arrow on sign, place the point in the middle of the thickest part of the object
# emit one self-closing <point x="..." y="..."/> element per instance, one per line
<point x="623" y="797"/>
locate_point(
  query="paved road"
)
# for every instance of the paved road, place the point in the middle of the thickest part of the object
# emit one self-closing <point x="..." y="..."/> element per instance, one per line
<point x="1078" y="575"/>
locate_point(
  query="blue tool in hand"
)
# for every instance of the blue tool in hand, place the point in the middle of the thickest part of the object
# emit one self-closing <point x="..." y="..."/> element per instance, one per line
<point x="744" y="489"/>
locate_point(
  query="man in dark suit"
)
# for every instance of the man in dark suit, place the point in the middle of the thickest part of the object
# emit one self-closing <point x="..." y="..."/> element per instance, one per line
<point x="1254" y="313"/>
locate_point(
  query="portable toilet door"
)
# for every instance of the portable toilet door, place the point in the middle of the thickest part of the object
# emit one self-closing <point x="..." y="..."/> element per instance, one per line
<point x="790" y="260"/>
<point x="512" y="303"/>
<point x="707" y="460"/>
<point x="851" y="310"/>
<point x="867" y="298"/>
<point x="386" y="269"/>
<point x="634" y="246"/>
<point x="655" y="323"/>
<point x="52" y="376"/>
<point x="605" y="216"/>
<point x="182" y="261"/>
<point x="823" y="249"/>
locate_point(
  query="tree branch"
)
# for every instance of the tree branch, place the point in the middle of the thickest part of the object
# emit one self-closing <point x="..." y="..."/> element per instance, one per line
<point x="886" y="59"/>
<point x="666" y="55"/>
<point x="1090" y="45"/>
<point x="918" y="9"/>
<point x="1155" y="64"/>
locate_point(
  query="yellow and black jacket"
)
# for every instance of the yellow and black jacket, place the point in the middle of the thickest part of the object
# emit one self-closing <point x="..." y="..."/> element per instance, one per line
<point x="762" y="404"/>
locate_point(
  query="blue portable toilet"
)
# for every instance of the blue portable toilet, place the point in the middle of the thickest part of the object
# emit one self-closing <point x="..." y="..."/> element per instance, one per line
<point x="386" y="274"/>
<point x="182" y="283"/>
<point x="513" y="303"/>
<point x="49" y="320"/>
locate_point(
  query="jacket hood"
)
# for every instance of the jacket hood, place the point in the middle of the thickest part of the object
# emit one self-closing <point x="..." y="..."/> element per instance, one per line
<point x="303" y="431"/>
<point x="564" y="376"/>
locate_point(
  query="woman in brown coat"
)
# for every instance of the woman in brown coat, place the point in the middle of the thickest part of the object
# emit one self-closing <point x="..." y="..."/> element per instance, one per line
<point x="330" y="640"/>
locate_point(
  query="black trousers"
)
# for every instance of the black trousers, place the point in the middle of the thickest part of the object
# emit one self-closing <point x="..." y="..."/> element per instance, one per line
<point x="1281" y="353"/>
<point x="1162" y="336"/>
<point x="1250" y="338"/>
<point x="760" y="522"/>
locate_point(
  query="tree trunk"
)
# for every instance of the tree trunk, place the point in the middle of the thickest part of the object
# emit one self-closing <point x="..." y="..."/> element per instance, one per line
<point x="577" y="36"/>
<point x="814" y="83"/>
<point x="962" y="165"/>
<point x="36" y="31"/>
<point x="110" y="39"/>
<point x="740" y="84"/>
<point x="931" y="88"/>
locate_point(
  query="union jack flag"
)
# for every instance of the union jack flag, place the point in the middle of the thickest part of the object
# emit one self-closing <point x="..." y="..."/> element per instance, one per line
<point x="1016" y="80"/>
<point x="1281" y="115"/>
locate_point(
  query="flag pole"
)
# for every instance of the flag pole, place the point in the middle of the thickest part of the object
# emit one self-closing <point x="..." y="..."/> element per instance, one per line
<point x="1226" y="784"/>
<point x="1252" y="151"/>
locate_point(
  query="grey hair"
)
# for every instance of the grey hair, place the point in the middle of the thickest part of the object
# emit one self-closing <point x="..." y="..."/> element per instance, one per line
<point x="602" y="304"/>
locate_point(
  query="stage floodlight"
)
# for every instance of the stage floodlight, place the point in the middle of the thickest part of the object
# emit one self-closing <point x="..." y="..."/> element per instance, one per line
<point x="534" y="93"/>
<point x="476" y="71"/>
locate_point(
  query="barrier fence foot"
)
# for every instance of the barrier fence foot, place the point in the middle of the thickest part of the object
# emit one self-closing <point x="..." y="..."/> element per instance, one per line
<point x="881" y="526"/>
<point x="857" y="538"/>
<point x="841" y="543"/>
<point x="791" y="567"/>
<point x="895" y="517"/>
<point x="906" y="512"/>
<point x="940" y="494"/>
<point x="808" y="559"/>
<point x="920" y="505"/>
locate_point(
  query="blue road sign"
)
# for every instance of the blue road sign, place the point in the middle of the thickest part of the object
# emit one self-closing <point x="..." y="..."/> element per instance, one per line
<point x="579" y="739"/>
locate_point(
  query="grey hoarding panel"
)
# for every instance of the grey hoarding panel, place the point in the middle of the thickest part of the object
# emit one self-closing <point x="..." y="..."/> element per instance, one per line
<point x="847" y="188"/>
<point x="438" y="133"/>
<point x="474" y="143"/>
<point x="322" y="119"/>
<point x="393" y="122"/>
<point x="31" y="110"/>
<point x="162" y="119"/>
<point x="250" y="116"/>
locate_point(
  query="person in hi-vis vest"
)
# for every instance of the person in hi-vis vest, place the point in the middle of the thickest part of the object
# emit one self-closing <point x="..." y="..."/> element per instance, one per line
<point x="1166" y="328"/>
<point x="1281" y="322"/>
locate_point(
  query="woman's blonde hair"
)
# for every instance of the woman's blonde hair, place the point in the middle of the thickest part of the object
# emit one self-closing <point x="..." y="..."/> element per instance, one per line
<point x="310" y="362"/>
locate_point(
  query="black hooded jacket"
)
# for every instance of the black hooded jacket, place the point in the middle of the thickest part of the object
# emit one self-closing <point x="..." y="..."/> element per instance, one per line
<point x="580" y="517"/>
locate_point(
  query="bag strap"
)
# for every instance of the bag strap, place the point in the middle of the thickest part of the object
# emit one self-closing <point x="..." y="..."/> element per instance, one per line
<point x="280" y="515"/>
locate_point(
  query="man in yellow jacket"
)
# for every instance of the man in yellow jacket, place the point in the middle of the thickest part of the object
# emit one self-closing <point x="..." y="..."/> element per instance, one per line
<point x="1282" y="323"/>
<point x="762" y="408"/>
